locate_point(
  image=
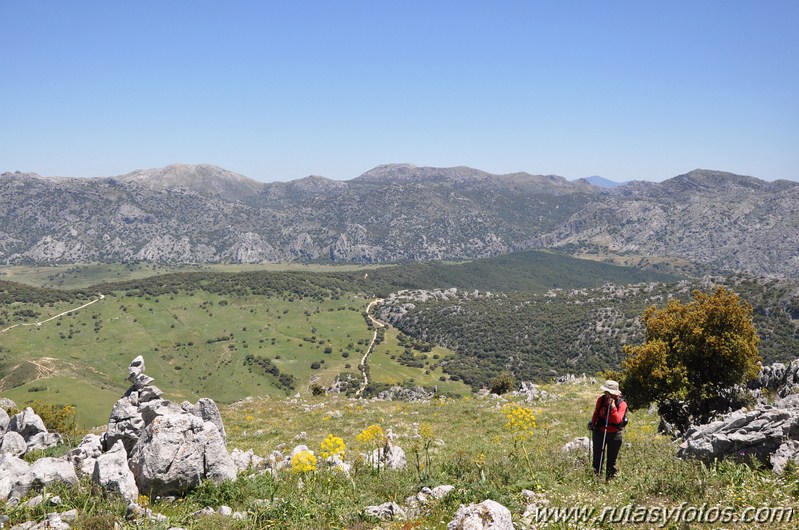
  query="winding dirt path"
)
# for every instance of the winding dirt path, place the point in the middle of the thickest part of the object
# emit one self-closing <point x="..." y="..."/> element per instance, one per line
<point x="371" y="347"/>
<point x="40" y="322"/>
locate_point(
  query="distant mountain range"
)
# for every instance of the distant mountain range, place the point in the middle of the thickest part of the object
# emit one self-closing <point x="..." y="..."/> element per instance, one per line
<point x="397" y="212"/>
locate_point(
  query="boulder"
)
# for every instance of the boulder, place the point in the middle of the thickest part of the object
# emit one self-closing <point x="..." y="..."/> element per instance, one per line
<point x="111" y="471"/>
<point x="14" y="444"/>
<point x="4" y="419"/>
<point x="6" y="404"/>
<point x="175" y="452"/>
<point x="488" y="515"/>
<point x="43" y="440"/>
<point x="246" y="460"/>
<point x="11" y="467"/>
<point x="577" y="444"/>
<point x="787" y="452"/>
<point x="27" y="423"/>
<point x="389" y="457"/>
<point x="206" y="409"/>
<point x="43" y="473"/>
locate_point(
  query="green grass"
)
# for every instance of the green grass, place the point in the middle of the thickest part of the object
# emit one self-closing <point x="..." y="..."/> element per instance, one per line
<point x="84" y="275"/>
<point x="194" y="345"/>
<point x="473" y="451"/>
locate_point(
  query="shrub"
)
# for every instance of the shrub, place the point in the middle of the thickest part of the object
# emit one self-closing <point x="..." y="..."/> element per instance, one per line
<point x="503" y="383"/>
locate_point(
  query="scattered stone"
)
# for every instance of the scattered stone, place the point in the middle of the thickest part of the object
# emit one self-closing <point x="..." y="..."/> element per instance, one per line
<point x="411" y="395"/>
<point x="13" y="444"/>
<point x="42" y="441"/>
<point x="488" y="515"/>
<point x="205" y="512"/>
<point x="246" y="460"/>
<point x="440" y="492"/>
<point x="389" y="457"/>
<point x="388" y="511"/>
<point x="43" y="473"/>
<point x="33" y="502"/>
<point x="530" y="392"/>
<point x="577" y="444"/>
<point x="787" y="452"/>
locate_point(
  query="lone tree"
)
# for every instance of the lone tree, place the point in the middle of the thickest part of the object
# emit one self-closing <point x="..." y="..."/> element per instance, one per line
<point x="692" y="355"/>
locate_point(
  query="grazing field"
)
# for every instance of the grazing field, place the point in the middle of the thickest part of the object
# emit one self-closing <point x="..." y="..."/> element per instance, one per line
<point x="194" y="345"/>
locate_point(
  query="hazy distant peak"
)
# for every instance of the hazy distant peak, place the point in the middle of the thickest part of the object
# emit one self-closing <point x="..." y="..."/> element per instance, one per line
<point x="602" y="182"/>
<point x="315" y="183"/>
<point x="709" y="178"/>
<point x="206" y="179"/>
<point x="21" y="175"/>
<point x="410" y="172"/>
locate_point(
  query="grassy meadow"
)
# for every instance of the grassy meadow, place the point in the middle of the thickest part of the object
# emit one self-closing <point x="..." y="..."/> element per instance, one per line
<point x="196" y="345"/>
<point x="463" y="442"/>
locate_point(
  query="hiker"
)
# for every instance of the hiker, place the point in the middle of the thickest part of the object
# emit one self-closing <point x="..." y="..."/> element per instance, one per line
<point x="607" y="423"/>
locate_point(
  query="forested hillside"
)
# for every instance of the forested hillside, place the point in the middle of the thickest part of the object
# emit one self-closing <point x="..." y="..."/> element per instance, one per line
<point x="541" y="335"/>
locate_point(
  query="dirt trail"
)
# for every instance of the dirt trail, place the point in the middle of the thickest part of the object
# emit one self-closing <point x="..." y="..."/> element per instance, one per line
<point x="371" y="347"/>
<point x="40" y="322"/>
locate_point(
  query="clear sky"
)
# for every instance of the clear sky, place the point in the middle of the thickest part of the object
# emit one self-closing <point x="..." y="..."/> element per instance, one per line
<point x="278" y="90"/>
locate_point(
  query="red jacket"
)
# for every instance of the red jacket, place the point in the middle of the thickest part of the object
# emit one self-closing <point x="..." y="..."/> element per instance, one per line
<point x="616" y="415"/>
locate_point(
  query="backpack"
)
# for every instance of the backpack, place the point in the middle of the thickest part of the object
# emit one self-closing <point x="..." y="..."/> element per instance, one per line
<point x="623" y="423"/>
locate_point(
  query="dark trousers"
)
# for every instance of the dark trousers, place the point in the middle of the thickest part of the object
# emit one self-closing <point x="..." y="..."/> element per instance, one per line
<point x="612" y="446"/>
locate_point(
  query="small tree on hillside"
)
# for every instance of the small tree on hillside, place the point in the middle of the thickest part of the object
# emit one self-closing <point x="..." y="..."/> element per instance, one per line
<point x="692" y="354"/>
<point x="503" y="383"/>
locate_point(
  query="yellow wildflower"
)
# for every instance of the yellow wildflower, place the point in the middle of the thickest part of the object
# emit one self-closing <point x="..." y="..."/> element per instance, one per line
<point x="520" y="420"/>
<point x="372" y="435"/>
<point x="332" y="446"/>
<point x="303" y="462"/>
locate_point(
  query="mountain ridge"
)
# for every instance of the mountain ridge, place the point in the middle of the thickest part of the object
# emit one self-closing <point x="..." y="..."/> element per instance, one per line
<point x="392" y="213"/>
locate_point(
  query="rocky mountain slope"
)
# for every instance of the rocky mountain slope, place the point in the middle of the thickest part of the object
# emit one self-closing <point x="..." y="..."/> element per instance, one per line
<point x="185" y="213"/>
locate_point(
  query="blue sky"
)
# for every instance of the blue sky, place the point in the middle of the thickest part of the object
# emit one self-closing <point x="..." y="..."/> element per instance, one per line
<point x="281" y="90"/>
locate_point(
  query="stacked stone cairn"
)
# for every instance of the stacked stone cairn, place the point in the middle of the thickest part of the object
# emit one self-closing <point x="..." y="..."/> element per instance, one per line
<point x="151" y="446"/>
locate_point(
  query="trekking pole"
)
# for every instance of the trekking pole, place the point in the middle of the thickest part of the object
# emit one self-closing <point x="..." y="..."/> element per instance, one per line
<point x="604" y="437"/>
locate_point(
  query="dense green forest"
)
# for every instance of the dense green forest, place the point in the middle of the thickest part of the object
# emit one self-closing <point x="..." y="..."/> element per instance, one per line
<point x="539" y="336"/>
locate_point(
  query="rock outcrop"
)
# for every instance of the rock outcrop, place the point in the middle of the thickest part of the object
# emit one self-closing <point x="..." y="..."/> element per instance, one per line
<point x="170" y="448"/>
<point x="24" y="432"/>
<point x="762" y="432"/>
<point x="111" y="471"/>
<point x="151" y="445"/>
